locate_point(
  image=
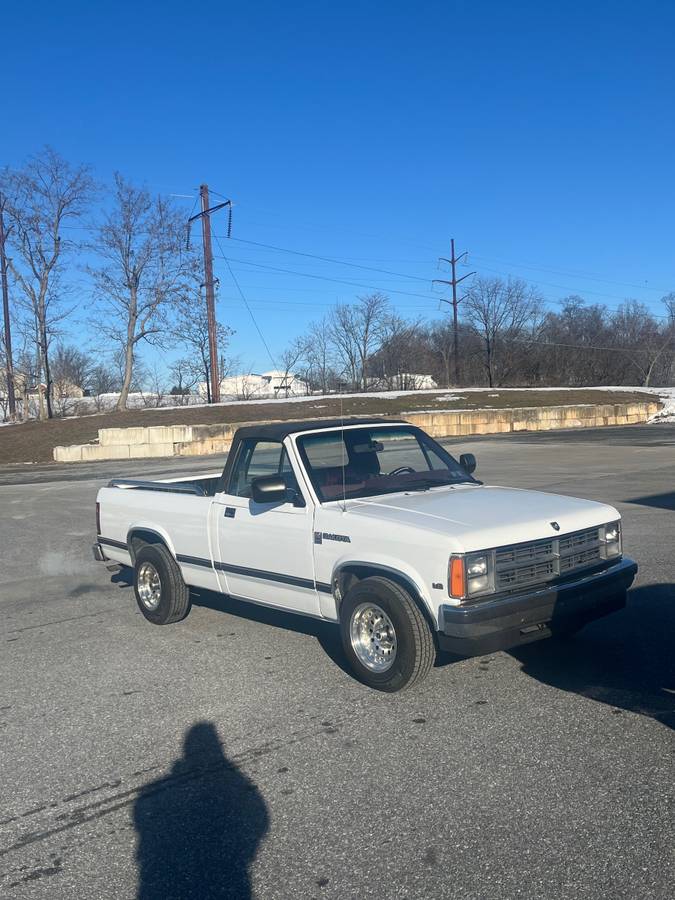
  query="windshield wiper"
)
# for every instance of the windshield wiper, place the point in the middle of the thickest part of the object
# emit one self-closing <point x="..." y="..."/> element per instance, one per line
<point x="426" y="483"/>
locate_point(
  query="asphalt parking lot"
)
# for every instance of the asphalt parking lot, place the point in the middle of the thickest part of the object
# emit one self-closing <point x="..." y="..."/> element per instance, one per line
<point x="231" y="755"/>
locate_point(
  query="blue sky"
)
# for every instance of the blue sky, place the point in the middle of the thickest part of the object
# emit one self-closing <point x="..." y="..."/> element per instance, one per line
<point x="539" y="135"/>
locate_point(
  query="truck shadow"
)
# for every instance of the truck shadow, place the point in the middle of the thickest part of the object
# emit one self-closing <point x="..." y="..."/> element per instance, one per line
<point x="326" y="633"/>
<point x="626" y="660"/>
<point x="199" y="827"/>
<point x="658" y="501"/>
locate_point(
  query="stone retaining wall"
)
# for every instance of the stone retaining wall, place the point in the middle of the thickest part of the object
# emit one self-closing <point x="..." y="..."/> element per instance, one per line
<point x="200" y="440"/>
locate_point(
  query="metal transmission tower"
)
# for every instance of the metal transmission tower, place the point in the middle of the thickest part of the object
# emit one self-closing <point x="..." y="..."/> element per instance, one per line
<point x="9" y="367"/>
<point x="205" y="216"/>
<point x="454" y="302"/>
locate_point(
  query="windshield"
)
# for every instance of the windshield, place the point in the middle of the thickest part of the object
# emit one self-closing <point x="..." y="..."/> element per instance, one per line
<point x="362" y="462"/>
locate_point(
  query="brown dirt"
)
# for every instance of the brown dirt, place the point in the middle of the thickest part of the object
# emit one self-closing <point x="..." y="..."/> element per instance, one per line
<point x="35" y="441"/>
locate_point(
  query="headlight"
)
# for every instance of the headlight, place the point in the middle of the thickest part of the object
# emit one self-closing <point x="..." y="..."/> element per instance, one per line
<point x="611" y="539"/>
<point x="477" y="565"/>
<point x="471" y="575"/>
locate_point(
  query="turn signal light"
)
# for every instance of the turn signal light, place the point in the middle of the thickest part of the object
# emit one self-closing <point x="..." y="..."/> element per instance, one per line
<point x="457" y="577"/>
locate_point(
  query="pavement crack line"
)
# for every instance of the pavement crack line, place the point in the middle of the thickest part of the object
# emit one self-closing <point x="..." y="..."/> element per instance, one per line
<point x="100" y="612"/>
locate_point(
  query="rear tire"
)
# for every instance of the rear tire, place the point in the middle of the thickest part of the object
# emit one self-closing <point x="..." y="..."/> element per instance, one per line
<point x="385" y="636"/>
<point x="161" y="594"/>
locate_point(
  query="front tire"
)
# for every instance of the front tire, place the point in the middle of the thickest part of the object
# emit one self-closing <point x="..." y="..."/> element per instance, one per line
<point x="386" y="639"/>
<point x="161" y="594"/>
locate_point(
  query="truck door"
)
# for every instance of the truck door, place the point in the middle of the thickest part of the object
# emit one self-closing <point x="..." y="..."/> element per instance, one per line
<point x="264" y="551"/>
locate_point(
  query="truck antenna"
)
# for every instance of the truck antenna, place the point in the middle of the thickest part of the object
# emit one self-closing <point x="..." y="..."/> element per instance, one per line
<point x="344" y="449"/>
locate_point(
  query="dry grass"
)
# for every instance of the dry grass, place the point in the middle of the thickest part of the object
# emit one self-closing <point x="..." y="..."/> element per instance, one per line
<point x="35" y="441"/>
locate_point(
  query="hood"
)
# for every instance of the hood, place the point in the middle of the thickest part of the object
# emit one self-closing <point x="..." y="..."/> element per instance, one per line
<point x="482" y="517"/>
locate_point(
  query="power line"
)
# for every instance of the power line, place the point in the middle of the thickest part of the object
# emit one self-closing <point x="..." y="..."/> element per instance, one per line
<point x="271" y="304"/>
<point x="243" y="297"/>
<point x="573" y="273"/>
<point x="328" y="259"/>
<point x="371" y="287"/>
<point x="325" y="278"/>
<point x="344" y="262"/>
<point x="562" y="287"/>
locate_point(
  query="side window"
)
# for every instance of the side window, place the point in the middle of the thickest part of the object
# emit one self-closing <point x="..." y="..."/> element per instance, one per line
<point x="257" y="458"/>
<point x="287" y="473"/>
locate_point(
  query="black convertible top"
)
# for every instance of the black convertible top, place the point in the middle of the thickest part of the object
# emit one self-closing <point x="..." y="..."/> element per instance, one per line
<point x="277" y="431"/>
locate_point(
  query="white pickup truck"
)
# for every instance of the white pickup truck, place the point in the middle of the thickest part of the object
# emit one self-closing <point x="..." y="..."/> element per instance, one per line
<point x="371" y="524"/>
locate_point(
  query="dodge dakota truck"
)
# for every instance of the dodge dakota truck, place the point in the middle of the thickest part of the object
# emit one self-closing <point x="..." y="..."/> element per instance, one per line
<point x="371" y="524"/>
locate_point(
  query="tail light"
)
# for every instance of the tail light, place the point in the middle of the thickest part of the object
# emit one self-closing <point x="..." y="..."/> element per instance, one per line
<point x="98" y="518"/>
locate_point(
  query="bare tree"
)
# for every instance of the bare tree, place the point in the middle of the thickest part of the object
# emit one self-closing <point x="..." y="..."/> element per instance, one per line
<point x="289" y="360"/>
<point x="642" y="340"/>
<point x="103" y="380"/>
<point x="70" y="369"/>
<point x="71" y="365"/>
<point x="153" y="396"/>
<point x="48" y="194"/>
<point x="500" y="312"/>
<point x="402" y="354"/>
<point x="191" y="328"/>
<point x="317" y="358"/>
<point x="143" y="271"/>
<point x="356" y="331"/>
<point x="184" y="376"/>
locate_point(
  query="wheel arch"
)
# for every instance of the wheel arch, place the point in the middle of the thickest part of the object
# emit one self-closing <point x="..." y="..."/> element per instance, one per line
<point x="140" y="536"/>
<point x="350" y="573"/>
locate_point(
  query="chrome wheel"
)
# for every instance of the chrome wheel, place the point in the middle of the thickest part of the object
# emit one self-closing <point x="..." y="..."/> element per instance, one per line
<point x="149" y="586"/>
<point x="373" y="637"/>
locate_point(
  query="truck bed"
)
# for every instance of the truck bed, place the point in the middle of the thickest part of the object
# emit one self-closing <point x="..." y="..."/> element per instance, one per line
<point x="199" y="485"/>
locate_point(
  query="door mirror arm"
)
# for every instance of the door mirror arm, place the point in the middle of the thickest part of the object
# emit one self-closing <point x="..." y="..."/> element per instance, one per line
<point x="295" y="497"/>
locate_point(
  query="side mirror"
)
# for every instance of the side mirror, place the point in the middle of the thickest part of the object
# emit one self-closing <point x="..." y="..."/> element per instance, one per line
<point x="273" y="489"/>
<point x="468" y="462"/>
<point x="269" y="489"/>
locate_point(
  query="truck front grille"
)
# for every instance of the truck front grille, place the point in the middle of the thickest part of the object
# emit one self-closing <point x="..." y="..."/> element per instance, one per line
<point x="537" y="562"/>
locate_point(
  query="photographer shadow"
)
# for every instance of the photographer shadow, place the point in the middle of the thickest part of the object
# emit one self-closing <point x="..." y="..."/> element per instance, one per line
<point x="625" y="660"/>
<point x="199" y="827"/>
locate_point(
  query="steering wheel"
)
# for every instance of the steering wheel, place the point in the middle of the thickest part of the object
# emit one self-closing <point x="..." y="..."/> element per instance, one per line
<point x="402" y="470"/>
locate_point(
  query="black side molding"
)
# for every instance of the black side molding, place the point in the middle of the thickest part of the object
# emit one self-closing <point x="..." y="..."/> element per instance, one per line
<point x="109" y="542"/>
<point x="261" y="574"/>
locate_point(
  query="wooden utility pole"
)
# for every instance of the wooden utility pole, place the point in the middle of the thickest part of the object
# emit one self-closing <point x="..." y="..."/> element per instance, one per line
<point x="210" y="294"/>
<point x="454" y="302"/>
<point x="9" y="365"/>
<point x="205" y="216"/>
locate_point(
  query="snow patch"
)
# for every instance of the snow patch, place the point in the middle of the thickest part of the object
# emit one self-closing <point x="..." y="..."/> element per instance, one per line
<point x="667" y="414"/>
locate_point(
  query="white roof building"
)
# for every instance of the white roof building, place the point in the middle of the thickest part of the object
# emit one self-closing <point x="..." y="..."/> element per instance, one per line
<point x="264" y="386"/>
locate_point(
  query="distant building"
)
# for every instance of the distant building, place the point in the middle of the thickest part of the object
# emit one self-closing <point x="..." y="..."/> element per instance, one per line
<point x="266" y="386"/>
<point x="402" y="381"/>
<point x="65" y="388"/>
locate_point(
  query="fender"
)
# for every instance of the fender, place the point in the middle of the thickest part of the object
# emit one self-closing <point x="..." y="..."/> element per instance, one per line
<point x="407" y="577"/>
<point x="149" y="529"/>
